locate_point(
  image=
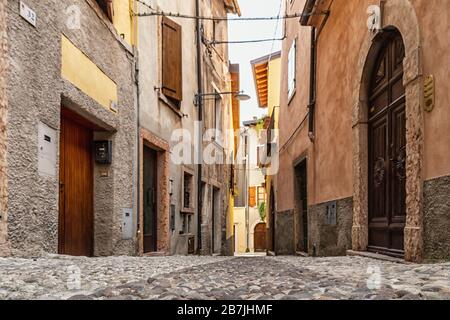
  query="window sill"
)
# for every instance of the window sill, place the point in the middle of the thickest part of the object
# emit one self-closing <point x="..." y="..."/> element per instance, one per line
<point x="162" y="97"/>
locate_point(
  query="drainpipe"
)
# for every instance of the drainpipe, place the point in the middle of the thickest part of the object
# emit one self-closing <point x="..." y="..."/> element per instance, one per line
<point x="312" y="85"/>
<point x="308" y="10"/>
<point x="137" y="162"/>
<point x="200" y="127"/>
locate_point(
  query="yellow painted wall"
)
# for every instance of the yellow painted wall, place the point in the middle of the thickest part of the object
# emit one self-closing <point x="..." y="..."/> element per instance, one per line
<point x="273" y="105"/>
<point x="239" y="222"/>
<point x="85" y="75"/>
<point x="123" y="20"/>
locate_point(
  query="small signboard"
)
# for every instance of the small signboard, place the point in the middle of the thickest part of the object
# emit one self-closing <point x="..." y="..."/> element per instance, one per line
<point x="28" y="14"/>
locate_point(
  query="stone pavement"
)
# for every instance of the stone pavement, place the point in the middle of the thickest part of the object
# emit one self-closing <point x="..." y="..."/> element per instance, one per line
<point x="194" y="277"/>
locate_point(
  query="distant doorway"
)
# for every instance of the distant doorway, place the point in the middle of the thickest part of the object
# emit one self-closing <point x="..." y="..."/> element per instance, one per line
<point x="259" y="237"/>
<point x="216" y="221"/>
<point x="150" y="196"/>
<point x="301" y="199"/>
<point x="272" y="220"/>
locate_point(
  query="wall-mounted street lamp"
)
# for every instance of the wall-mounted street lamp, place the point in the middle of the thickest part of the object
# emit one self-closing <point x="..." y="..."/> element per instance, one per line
<point x="239" y="95"/>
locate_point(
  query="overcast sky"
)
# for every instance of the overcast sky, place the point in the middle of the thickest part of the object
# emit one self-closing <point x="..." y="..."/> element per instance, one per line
<point x="244" y="53"/>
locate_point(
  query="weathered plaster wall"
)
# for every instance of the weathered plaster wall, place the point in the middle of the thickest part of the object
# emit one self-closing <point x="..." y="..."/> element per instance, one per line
<point x="285" y="233"/>
<point x="330" y="240"/>
<point x="338" y="79"/>
<point x="333" y="159"/>
<point x="4" y="245"/>
<point x="36" y="92"/>
<point x="241" y="232"/>
<point x="158" y="116"/>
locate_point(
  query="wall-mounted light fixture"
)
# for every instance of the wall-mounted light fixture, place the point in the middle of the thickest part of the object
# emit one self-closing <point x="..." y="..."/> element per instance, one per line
<point x="239" y="95"/>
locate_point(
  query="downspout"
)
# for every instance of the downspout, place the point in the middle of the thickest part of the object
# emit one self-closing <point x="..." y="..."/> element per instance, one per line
<point x="315" y="33"/>
<point x="200" y="127"/>
<point x="312" y="85"/>
<point x="137" y="170"/>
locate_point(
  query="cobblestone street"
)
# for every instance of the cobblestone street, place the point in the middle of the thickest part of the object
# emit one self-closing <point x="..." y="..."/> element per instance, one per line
<point x="193" y="277"/>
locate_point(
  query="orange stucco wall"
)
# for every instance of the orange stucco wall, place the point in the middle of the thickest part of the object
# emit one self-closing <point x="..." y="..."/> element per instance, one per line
<point x="330" y="157"/>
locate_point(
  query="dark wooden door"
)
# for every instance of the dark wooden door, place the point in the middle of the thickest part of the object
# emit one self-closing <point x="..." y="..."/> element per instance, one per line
<point x="150" y="196"/>
<point x="259" y="237"/>
<point x="272" y="220"/>
<point x="387" y="150"/>
<point x="76" y="223"/>
<point x="302" y="204"/>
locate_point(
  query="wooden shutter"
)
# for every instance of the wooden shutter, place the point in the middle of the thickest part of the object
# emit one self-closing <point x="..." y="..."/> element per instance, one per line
<point x="252" y="196"/>
<point x="107" y="7"/>
<point x="171" y="60"/>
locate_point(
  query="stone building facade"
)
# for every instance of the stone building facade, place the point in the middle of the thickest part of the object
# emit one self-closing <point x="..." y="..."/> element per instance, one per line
<point x="70" y="85"/>
<point x="331" y="172"/>
<point x="169" y="113"/>
<point x="4" y="245"/>
<point x="217" y="118"/>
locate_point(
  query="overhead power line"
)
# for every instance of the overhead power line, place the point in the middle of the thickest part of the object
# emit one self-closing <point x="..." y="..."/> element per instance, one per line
<point x="246" y="41"/>
<point x="179" y="15"/>
<point x="186" y="16"/>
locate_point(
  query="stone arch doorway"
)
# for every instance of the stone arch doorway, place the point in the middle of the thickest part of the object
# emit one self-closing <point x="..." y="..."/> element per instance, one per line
<point x="398" y="15"/>
<point x="387" y="148"/>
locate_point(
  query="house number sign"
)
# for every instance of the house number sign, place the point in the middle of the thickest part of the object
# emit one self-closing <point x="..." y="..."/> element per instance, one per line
<point x="28" y="14"/>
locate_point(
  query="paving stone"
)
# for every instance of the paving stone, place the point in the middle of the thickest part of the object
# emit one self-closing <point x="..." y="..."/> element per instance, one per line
<point x="198" y="277"/>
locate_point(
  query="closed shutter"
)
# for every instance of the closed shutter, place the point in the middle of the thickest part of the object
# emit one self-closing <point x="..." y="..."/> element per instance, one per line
<point x="252" y="196"/>
<point x="107" y="7"/>
<point x="171" y="60"/>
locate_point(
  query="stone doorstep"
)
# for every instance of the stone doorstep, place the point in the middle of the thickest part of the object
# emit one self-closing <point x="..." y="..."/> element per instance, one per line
<point x="301" y="254"/>
<point x="271" y="253"/>
<point x="376" y="256"/>
<point x="155" y="254"/>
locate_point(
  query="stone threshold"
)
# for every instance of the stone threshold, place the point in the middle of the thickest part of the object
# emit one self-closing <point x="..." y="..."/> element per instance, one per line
<point x="301" y="254"/>
<point x="376" y="256"/>
<point x="155" y="254"/>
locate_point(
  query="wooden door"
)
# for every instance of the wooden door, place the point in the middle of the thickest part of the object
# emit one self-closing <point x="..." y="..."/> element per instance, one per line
<point x="387" y="150"/>
<point x="150" y="196"/>
<point x="76" y="222"/>
<point x="260" y="237"/>
<point x="272" y="220"/>
<point x="302" y="207"/>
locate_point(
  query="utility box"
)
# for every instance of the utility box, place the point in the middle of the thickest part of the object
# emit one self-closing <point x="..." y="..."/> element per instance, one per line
<point x="127" y="223"/>
<point x="103" y="152"/>
<point x="46" y="150"/>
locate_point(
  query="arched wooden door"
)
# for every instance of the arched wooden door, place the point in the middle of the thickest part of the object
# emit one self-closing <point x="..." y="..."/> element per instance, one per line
<point x="387" y="149"/>
<point x="260" y="237"/>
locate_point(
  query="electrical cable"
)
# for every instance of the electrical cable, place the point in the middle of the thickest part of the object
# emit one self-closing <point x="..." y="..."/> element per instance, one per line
<point x="185" y="16"/>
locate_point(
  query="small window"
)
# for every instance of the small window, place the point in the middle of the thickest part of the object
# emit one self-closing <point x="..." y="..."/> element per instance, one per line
<point x="261" y="195"/>
<point x="292" y="69"/>
<point x="218" y="119"/>
<point x="188" y="187"/>
<point x="107" y="8"/>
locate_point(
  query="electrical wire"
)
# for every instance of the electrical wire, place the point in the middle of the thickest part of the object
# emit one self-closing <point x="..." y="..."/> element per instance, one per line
<point x="179" y="15"/>
<point x="245" y="41"/>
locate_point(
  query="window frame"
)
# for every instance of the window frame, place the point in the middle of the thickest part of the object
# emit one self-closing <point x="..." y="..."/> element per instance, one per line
<point x="292" y="78"/>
